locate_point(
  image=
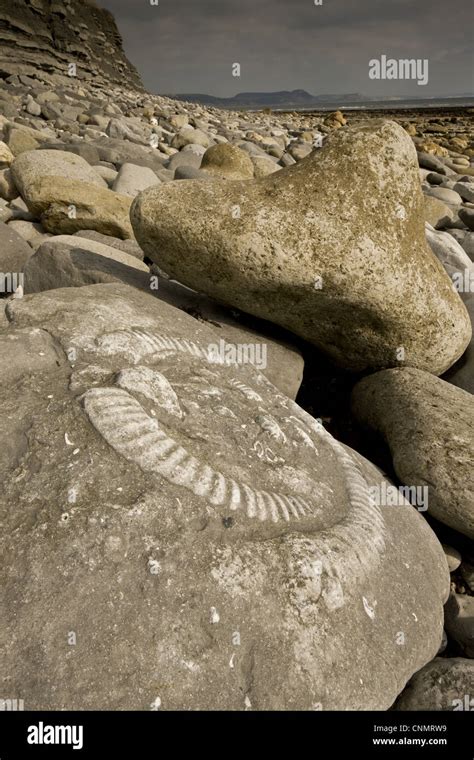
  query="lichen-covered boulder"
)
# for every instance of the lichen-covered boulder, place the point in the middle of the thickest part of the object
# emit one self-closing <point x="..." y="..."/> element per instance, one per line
<point x="332" y="249"/>
<point x="227" y="161"/>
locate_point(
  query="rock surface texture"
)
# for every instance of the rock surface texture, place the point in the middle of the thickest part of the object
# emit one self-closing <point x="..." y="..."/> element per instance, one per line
<point x="429" y="427"/>
<point x="191" y="515"/>
<point x="206" y="519"/>
<point x="305" y="248"/>
<point x="49" y="36"/>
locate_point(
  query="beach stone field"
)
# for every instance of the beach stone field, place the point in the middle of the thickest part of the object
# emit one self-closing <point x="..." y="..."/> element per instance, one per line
<point x="236" y="378"/>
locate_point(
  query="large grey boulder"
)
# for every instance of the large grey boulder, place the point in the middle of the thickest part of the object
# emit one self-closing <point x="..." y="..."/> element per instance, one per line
<point x="67" y="194"/>
<point x="460" y="268"/>
<point x="449" y="252"/>
<point x="190" y="136"/>
<point x="70" y="261"/>
<point x="34" y="166"/>
<point x="344" y="266"/>
<point x="127" y="246"/>
<point x="464" y="238"/>
<point x="429" y="427"/>
<point x="132" y="179"/>
<point x="189" y="508"/>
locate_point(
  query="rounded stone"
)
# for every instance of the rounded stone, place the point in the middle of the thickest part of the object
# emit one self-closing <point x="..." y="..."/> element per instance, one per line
<point x="303" y="248"/>
<point x="227" y="161"/>
<point x="443" y="684"/>
<point x="429" y="426"/>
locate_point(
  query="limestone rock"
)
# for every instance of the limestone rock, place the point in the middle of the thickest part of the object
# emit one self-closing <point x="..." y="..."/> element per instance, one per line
<point x="449" y="252"/>
<point x="227" y="161"/>
<point x="192" y="157"/>
<point x="429" y="426"/>
<point x="190" y="136"/>
<point x="33" y="167"/>
<point x="467" y="216"/>
<point x="8" y="189"/>
<point x="462" y="373"/>
<point x="68" y="195"/>
<point x="127" y="246"/>
<point x="132" y="179"/>
<point x="428" y="161"/>
<point x="436" y="213"/>
<point x="190" y="172"/>
<point x="107" y="173"/>
<point x="304" y="248"/>
<point x="14" y="250"/>
<point x="70" y="261"/>
<point x="88" y="152"/>
<point x="445" y="194"/>
<point x="453" y="557"/>
<point x="264" y="166"/>
<point x="6" y="156"/>
<point x="155" y="511"/>
<point x="465" y="190"/>
<point x="21" y="142"/>
<point x="32" y="232"/>
<point x="459" y="622"/>
<point x="465" y="239"/>
<point x="443" y="684"/>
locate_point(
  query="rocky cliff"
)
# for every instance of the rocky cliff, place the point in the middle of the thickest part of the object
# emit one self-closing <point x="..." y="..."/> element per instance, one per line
<point x="42" y="38"/>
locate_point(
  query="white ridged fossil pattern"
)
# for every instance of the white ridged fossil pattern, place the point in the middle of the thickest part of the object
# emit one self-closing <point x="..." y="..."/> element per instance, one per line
<point x="349" y="549"/>
<point x="126" y="426"/>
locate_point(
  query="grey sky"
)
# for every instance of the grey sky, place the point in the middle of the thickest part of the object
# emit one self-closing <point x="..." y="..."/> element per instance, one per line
<point x="190" y="45"/>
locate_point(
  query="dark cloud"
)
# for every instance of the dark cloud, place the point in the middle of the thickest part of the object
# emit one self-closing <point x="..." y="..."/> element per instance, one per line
<point x="190" y="45"/>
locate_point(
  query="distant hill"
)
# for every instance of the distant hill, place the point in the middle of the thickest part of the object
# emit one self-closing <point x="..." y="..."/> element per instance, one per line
<point x="299" y="99"/>
<point x="281" y="99"/>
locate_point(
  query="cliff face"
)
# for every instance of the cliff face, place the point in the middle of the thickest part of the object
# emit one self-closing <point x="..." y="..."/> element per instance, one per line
<point x="41" y="38"/>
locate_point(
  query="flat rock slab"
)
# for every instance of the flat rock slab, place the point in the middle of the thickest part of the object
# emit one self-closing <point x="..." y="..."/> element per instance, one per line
<point x="429" y="427"/>
<point x="332" y="249"/>
<point x="127" y="246"/>
<point x="188" y="508"/>
<point x="70" y="261"/>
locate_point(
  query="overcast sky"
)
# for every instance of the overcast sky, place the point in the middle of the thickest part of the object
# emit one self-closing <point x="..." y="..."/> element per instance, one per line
<point x="185" y="46"/>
